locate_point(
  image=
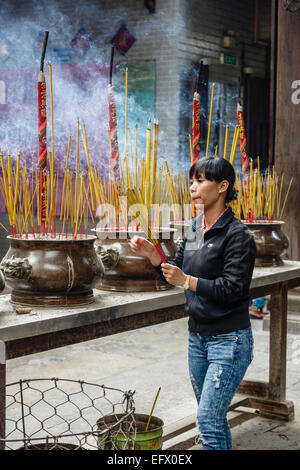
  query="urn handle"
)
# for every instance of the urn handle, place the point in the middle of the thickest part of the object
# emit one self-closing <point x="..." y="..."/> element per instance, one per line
<point x="2" y="281"/>
<point x="178" y="242"/>
<point x="109" y="257"/>
<point x="19" y="268"/>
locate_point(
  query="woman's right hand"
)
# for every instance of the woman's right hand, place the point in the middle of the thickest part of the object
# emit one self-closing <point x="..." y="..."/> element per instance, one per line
<point x="142" y="247"/>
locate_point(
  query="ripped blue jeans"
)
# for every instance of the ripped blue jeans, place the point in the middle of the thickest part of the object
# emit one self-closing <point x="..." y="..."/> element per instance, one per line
<point x="217" y="365"/>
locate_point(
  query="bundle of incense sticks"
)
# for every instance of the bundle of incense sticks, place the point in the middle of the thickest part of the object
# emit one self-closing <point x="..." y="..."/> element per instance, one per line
<point x="260" y="196"/>
<point x="20" y="192"/>
<point x="134" y="199"/>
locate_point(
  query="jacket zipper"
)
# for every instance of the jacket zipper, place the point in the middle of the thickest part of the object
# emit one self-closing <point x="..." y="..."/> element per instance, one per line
<point x="194" y="292"/>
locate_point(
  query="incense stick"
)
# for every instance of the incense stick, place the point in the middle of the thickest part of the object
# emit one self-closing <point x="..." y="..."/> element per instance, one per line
<point x="152" y="409"/>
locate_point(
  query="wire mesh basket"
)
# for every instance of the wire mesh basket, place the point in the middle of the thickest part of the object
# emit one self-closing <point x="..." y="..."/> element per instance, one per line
<point x="64" y="414"/>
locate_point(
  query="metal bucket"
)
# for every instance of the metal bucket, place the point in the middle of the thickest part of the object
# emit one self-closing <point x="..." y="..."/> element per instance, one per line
<point x="138" y="440"/>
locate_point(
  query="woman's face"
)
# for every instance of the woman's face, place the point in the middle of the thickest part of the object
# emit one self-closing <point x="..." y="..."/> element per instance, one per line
<point x="205" y="192"/>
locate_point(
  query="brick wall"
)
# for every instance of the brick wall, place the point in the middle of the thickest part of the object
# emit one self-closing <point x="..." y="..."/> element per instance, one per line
<point x="179" y="33"/>
<point x="205" y="23"/>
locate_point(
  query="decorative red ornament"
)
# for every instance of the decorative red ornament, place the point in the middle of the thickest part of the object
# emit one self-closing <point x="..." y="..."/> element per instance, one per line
<point x="123" y="40"/>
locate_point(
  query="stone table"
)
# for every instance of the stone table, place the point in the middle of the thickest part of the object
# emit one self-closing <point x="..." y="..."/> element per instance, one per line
<point x="114" y="312"/>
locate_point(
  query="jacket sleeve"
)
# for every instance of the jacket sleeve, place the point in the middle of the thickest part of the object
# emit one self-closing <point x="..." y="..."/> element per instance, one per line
<point x="233" y="285"/>
<point x="177" y="261"/>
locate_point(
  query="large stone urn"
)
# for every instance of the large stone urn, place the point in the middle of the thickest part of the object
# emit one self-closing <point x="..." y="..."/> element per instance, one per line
<point x="271" y="242"/>
<point x="52" y="272"/>
<point x="126" y="271"/>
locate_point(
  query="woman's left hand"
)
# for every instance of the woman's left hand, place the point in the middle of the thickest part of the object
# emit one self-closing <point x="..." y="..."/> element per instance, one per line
<point x="173" y="275"/>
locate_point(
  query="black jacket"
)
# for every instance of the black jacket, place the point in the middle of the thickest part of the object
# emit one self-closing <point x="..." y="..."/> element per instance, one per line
<point x="223" y="262"/>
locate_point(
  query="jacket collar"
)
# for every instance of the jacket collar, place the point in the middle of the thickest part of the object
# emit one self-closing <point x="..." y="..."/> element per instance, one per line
<point x="224" y="220"/>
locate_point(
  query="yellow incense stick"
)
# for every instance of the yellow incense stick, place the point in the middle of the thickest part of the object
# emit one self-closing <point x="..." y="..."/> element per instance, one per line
<point x="126" y="105"/>
<point x="225" y="143"/>
<point x="77" y="162"/>
<point x="234" y="144"/>
<point x="191" y="148"/>
<point x="135" y="156"/>
<point x="5" y="185"/>
<point x="65" y="179"/>
<point x="4" y="227"/>
<point x="152" y="409"/>
<point x="148" y="168"/>
<point x="9" y="177"/>
<point x="210" y="115"/>
<point x="287" y="193"/>
<point x="16" y="189"/>
<point x="154" y="159"/>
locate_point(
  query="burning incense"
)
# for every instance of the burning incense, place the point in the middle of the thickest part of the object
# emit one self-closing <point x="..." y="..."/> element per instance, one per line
<point x="113" y="134"/>
<point x="259" y="196"/>
<point x="16" y="192"/>
<point x="196" y="120"/>
<point x="42" y="147"/>
<point x="134" y="199"/>
<point x="243" y="142"/>
<point x="111" y="65"/>
<point x="196" y="127"/>
<point x="51" y="109"/>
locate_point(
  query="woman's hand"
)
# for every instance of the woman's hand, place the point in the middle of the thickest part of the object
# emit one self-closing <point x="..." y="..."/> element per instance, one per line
<point x="173" y="274"/>
<point x="141" y="246"/>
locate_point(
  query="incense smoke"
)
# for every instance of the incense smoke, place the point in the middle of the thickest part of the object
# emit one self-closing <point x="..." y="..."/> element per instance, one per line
<point x="80" y="79"/>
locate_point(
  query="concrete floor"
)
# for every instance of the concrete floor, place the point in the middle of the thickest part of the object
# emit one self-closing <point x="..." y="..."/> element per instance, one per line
<point x="146" y="359"/>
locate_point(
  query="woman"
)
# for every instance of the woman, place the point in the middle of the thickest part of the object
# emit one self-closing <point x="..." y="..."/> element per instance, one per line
<point x="214" y="264"/>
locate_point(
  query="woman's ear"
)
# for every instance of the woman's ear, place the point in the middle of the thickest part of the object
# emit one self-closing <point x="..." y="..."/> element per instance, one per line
<point x="223" y="186"/>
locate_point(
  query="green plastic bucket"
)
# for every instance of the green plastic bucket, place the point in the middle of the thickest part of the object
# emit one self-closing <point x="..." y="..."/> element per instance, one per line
<point x="120" y="439"/>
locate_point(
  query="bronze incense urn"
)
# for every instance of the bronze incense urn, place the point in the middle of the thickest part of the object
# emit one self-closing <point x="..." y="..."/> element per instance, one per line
<point x="126" y="271"/>
<point x="271" y="242"/>
<point x="51" y="272"/>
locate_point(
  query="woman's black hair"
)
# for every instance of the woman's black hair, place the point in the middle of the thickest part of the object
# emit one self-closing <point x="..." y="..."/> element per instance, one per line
<point x="215" y="169"/>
